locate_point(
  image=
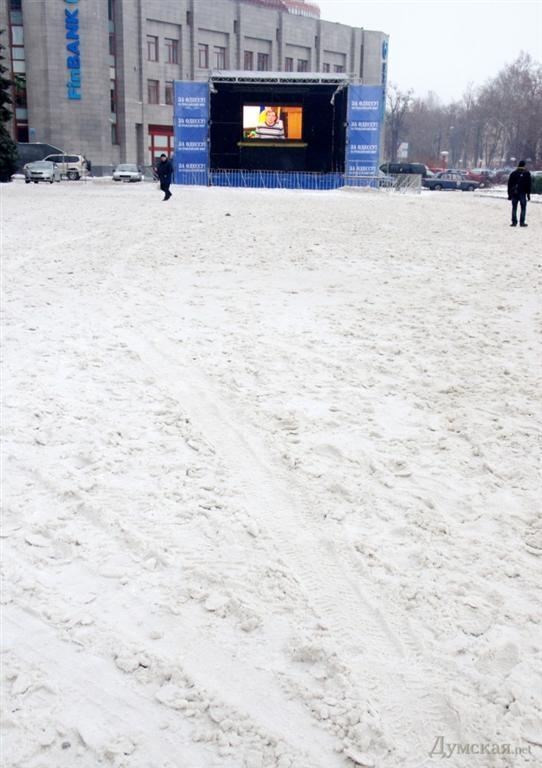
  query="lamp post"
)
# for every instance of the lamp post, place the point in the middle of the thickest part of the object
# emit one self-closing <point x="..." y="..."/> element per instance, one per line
<point x="451" y="135"/>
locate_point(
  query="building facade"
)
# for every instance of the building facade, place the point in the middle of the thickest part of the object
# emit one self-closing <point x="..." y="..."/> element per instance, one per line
<point x="95" y="77"/>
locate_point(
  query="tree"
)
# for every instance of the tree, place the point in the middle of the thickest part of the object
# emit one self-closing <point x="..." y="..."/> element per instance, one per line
<point x="398" y="107"/>
<point x="8" y="148"/>
<point x="489" y="126"/>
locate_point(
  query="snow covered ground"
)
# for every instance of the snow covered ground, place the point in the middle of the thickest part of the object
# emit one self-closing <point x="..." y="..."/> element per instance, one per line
<point x="271" y="479"/>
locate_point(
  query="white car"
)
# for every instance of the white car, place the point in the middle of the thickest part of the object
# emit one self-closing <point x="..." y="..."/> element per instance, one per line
<point x="73" y="167"/>
<point x="128" y="172"/>
<point x="41" y="170"/>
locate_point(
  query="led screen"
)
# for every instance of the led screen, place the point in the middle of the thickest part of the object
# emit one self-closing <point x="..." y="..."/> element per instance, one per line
<point x="266" y="122"/>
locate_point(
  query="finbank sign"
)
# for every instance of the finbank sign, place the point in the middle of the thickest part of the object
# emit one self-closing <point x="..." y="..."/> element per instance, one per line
<point x="73" y="52"/>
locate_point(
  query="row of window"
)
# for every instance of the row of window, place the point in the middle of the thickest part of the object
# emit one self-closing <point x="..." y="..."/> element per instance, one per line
<point x="215" y="57"/>
<point x="153" y="86"/>
<point x="171" y="49"/>
<point x="262" y="61"/>
<point x="153" y="92"/>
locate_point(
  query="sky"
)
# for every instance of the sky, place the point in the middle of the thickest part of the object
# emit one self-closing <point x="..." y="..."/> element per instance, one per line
<point x="443" y="46"/>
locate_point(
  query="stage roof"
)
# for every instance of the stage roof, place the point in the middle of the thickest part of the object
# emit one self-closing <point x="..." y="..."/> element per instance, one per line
<point x="291" y="78"/>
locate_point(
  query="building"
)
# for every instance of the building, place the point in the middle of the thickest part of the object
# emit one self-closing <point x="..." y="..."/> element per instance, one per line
<point x="95" y="77"/>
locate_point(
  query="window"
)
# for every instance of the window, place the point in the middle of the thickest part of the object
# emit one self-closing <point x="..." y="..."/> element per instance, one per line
<point x="338" y="68"/>
<point x="153" y="91"/>
<point x="152" y="48"/>
<point x="169" y="91"/>
<point x="113" y="95"/>
<point x="288" y="64"/>
<point x="249" y="60"/>
<point x="326" y="67"/>
<point x="17" y="36"/>
<point x="302" y="65"/>
<point x="20" y="91"/>
<point x="203" y="56"/>
<point x="172" y="51"/>
<point x="263" y="62"/>
<point x="114" y="134"/>
<point x="16" y="12"/>
<point x="111" y="44"/>
<point x="220" y="57"/>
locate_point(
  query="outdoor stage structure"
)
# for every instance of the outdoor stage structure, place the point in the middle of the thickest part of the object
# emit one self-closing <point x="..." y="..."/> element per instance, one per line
<point x="326" y="132"/>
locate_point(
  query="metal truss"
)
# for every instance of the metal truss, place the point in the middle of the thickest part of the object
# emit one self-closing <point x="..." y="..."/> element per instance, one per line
<point x="284" y="78"/>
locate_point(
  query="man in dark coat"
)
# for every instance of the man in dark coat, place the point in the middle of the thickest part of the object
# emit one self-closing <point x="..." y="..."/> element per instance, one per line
<point x="164" y="171"/>
<point x="519" y="191"/>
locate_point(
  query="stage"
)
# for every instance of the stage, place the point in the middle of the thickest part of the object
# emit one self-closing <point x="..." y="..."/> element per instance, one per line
<point x="302" y="123"/>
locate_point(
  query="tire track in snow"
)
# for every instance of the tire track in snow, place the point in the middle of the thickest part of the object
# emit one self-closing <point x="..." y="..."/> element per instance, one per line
<point x="384" y="658"/>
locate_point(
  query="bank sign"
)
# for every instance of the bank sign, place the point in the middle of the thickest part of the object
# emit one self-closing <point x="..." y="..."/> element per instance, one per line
<point x="364" y="127"/>
<point x="72" y="49"/>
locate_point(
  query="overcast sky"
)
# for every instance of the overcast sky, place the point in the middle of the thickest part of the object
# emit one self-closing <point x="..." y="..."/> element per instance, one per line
<point x="443" y="46"/>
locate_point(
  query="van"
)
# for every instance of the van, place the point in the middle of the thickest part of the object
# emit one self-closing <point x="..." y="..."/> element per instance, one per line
<point x="72" y="166"/>
<point x="415" y="168"/>
<point x="32" y="151"/>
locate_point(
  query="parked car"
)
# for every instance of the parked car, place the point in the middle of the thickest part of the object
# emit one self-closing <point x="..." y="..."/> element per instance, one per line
<point x="502" y="174"/>
<point x="128" y="172"/>
<point x="448" y="180"/>
<point x="484" y="176"/>
<point x="72" y="166"/>
<point x="41" y="170"/>
<point x="536" y="187"/>
<point x="412" y="168"/>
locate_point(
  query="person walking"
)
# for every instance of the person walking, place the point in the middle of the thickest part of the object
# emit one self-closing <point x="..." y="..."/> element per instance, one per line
<point x="164" y="171"/>
<point x="519" y="191"/>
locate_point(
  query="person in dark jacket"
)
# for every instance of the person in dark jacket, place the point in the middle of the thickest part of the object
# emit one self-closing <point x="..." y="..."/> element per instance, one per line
<point x="164" y="171"/>
<point x="519" y="191"/>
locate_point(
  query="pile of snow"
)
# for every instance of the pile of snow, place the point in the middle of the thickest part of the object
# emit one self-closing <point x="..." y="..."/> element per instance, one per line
<point x="270" y="480"/>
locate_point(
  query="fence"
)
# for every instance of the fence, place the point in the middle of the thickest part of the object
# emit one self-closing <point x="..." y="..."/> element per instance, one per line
<point x="404" y="183"/>
<point x="299" y="180"/>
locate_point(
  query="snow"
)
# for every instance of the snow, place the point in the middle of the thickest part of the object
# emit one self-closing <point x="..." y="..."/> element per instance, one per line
<point x="271" y="479"/>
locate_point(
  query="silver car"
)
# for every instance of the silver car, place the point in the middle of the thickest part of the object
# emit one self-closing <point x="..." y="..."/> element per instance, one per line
<point x="41" y="170"/>
<point x="128" y="172"/>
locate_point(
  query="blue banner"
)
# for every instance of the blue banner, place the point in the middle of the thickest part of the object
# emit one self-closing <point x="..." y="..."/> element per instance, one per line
<point x="365" y="110"/>
<point x="191" y="127"/>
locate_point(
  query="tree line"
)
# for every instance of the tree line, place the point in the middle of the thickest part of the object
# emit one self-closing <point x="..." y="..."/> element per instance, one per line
<point x="492" y="126"/>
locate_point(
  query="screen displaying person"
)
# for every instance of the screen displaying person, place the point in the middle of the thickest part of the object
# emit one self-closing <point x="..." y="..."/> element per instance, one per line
<point x="271" y="127"/>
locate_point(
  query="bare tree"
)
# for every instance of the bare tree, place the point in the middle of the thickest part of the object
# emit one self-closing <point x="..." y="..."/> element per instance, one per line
<point x="398" y="105"/>
<point x="489" y="126"/>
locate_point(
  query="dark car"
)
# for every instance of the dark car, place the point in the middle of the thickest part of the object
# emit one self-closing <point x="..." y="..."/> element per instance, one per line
<point x="447" y="180"/>
<point x="398" y="168"/>
<point x="31" y="152"/>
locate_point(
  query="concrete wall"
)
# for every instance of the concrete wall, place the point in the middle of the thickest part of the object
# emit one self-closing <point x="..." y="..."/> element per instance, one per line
<point x="83" y="126"/>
